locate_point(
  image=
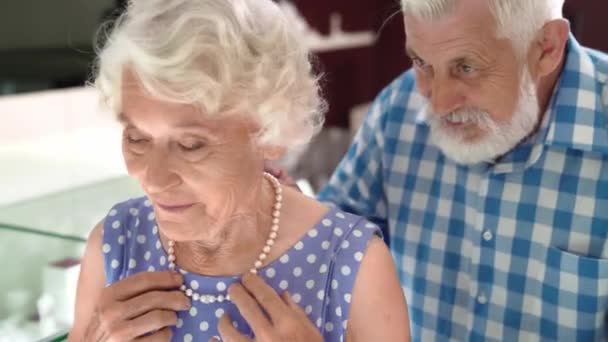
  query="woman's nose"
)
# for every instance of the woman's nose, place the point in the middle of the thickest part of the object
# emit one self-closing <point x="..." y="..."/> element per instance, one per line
<point x="158" y="175"/>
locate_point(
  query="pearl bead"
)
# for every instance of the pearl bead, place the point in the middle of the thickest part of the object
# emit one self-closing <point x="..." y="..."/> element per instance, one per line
<point x="276" y="214"/>
<point x="277" y="206"/>
<point x="171" y="250"/>
<point x="195" y="296"/>
<point x="257" y="264"/>
<point x="171" y="257"/>
<point x="275" y="221"/>
<point x="279" y="198"/>
<point x="189" y="292"/>
<point x="275" y="228"/>
<point x="266" y="249"/>
<point x="273" y="235"/>
<point x="253" y="270"/>
<point x="262" y="256"/>
<point x="183" y="287"/>
<point x="211" y="299"/>
<point x="204" y="299"/>
<point x="270" y="242"/>
<point x="220" y="298"/>
<point x="171" y="243"/>
<point x="172" y="266"/>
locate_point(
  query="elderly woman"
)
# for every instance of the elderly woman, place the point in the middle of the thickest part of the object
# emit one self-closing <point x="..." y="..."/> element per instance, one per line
<point x="207" y="91"/>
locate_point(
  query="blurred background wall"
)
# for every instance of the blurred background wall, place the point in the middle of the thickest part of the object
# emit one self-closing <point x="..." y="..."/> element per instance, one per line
<point x="48" y="44"/>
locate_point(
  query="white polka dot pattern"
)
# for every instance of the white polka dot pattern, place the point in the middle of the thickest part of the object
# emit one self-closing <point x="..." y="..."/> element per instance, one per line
<point x="318" y="271"/>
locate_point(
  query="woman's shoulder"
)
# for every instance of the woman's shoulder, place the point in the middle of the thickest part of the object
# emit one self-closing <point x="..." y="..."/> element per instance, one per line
<point x="346" y="226"/>
<point x="309" y="217"/>
<point x="129" y="214"/>
<point x="127" y="234"/>
<point x="133" y="207"/>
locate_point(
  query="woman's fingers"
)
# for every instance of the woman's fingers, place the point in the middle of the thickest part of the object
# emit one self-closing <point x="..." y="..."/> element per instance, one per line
<point x="228" y="332"/>
<point x="265" y="295"/>
<point x="141" y="283"/>
<point x="163" y="335"/>
<point x="249" y="309"/>
<point x="148" y="323"/>
<point x="293" y="305"/>
<point x="155" y="300"/>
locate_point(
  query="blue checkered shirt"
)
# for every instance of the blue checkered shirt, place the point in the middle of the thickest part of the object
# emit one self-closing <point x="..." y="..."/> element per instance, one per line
<point x="511" y="251"/>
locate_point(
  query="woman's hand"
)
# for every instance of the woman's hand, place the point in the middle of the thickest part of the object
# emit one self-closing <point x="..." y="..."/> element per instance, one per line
<point x="285" y="322"/>
<point x="141" y="307"/>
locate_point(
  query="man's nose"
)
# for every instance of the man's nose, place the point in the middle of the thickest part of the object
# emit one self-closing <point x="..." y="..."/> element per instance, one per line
<point x="445" y="96"/>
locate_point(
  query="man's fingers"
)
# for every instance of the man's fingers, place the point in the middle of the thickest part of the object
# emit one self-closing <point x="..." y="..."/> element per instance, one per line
<point x="143" y="282"/>
<point x="228" y="332"/>
<point x="265" y="295"/>
<point x="281" y="175"/>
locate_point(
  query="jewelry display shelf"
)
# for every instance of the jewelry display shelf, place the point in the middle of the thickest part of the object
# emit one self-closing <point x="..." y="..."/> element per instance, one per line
<point x="41" y="243"/>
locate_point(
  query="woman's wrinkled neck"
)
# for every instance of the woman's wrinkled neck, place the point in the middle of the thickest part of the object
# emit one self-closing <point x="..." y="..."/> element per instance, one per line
<point x="232" y="247"/>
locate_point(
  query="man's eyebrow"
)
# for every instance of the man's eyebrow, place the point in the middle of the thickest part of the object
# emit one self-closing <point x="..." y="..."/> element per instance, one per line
<point x="459" y="60"/>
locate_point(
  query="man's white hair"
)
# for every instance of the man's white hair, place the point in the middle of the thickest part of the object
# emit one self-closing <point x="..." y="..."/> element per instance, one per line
<point x="223" y="56"/>
<point x="517" y="20"/>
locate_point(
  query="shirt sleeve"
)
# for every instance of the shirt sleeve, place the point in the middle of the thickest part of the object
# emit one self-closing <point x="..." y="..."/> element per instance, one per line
<point x="357" y="184"/>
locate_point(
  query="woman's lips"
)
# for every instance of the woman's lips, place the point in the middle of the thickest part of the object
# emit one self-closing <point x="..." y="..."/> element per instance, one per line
<point x="173" y="208"/>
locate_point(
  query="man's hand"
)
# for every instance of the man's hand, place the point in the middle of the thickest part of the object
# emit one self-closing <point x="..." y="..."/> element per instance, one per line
<point x="141" y="307"/>
<point x="281" y="175"/>
<point x="285" y="322"/>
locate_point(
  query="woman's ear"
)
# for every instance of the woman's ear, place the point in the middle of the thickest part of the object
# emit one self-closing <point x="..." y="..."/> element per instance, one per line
<point x="273" y="152"/>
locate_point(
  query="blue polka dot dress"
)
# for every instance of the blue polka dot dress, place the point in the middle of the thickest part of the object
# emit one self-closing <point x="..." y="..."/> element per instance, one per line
<point x="319" y="271"/>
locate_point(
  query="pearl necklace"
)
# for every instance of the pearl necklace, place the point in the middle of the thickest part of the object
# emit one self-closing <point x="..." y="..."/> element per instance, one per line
<point x="276" y="214"/>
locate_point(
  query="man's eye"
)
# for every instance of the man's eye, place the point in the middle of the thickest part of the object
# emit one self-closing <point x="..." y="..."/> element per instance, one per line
<point x="466" y="69"/>
<point x="418" y="62"/>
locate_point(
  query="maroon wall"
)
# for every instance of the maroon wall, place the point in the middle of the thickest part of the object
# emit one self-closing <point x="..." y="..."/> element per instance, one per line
<point x="355" y="76"/>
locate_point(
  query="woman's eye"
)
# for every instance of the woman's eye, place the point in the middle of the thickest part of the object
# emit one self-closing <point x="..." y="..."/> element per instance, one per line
<point x="135" y="140"/>
<point x="191" y="147"/>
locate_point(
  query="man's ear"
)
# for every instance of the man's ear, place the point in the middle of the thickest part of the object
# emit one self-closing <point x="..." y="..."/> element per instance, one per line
<point x="548" y="49"/>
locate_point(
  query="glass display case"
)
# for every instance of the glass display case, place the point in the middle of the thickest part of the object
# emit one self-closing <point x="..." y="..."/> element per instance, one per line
<point x="41" y="243"/>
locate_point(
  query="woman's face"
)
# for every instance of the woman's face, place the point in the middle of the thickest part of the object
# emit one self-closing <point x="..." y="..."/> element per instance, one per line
<point x="199" y="173"/>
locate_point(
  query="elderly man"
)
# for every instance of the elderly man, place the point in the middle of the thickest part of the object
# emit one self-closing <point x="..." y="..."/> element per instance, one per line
<point x="487" y="166"/>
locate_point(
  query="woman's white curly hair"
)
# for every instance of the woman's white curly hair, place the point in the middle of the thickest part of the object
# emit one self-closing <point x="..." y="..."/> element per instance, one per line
<point x="222" y="56"/>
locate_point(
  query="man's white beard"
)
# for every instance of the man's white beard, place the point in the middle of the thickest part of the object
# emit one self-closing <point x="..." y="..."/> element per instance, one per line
<point x="498" y="138"/>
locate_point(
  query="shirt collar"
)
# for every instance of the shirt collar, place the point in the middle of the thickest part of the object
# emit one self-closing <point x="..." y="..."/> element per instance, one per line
<point x="577" y="118"/>
<point x="574" y="120"/>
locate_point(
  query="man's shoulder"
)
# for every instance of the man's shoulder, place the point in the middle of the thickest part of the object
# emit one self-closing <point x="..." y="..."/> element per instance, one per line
<point x="400" y="101"/>
<point x="401" y="87"/>
<point x="600" y="64"/>
<point x="599" y="58"/>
